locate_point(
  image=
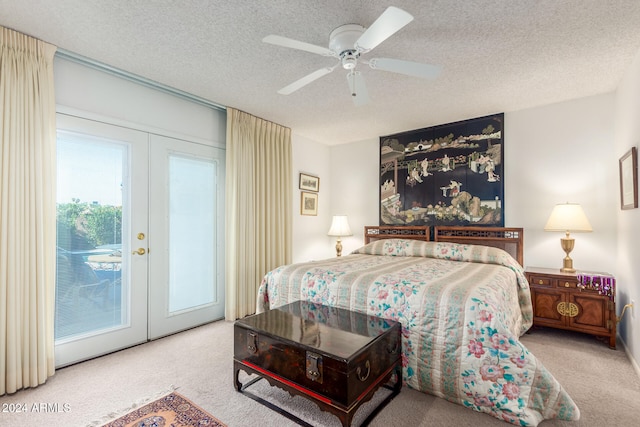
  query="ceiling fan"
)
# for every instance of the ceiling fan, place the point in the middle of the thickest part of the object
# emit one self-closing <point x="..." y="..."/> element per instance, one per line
<point x="347" y="43"/>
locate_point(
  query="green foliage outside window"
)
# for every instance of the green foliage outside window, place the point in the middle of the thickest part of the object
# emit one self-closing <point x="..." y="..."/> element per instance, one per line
<point x="82" y="225"/>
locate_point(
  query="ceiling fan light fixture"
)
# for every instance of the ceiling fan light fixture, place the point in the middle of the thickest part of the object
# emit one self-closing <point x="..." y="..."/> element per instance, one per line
<point x="349" y="59"/>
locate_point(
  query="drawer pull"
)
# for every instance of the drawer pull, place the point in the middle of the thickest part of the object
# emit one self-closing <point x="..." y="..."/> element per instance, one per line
<point x="566" y="284"/>
<point x="569" y="310"/>
<point x="540" y="282"/>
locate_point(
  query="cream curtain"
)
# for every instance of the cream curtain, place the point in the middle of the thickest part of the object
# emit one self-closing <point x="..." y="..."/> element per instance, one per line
<point x="27" y="211"/>
<point x="258" y="205"/>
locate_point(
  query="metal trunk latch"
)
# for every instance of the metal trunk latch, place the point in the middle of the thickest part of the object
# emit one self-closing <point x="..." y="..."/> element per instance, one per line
<point x="252" y="342"/>
<point x="314" y="367"/>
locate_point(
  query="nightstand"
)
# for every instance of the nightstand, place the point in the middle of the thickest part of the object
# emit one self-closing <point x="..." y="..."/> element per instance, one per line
<point x="561" y="301"/>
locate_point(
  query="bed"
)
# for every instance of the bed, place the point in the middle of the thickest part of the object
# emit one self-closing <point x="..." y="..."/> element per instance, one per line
<point x="463" y="301"/>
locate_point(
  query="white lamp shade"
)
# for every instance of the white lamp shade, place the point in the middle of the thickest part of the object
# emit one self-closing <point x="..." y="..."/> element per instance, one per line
<point x="567" y="217"/>
<point x="340" y="226"/>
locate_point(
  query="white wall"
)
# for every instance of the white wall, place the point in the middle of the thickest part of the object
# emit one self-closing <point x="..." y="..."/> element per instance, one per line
<point x="310" y="240"/>
<point x="628" y="267"/>
<point x="354" y="189"/>
<point x="553" y="154"/>
<point x="93" y="94"/>
<point x="559" y="153"/>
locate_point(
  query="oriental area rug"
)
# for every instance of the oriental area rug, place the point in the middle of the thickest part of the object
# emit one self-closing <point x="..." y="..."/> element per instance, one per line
<point x="172" y="410"/>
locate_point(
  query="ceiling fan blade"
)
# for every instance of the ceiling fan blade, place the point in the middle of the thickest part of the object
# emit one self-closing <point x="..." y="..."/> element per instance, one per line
<point x="357" y="88"/>
<point x="305" y="80"/>
<point x="408" y="68"/>
<point x="295" y="44"/>
<point x="387" y="24"/>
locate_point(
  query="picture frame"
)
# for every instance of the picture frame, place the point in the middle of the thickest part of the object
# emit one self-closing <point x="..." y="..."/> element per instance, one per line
<point x="308" y="203"/>
<point x="445" y="175"/>
<point x="309" y="182"/>
<point x="629" y="179"/>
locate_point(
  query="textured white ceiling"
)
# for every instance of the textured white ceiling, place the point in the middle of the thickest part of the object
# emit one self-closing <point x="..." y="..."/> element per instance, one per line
<point x="496" y="55"/>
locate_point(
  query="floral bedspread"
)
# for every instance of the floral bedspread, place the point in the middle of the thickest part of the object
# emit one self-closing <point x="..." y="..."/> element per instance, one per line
<point x="462" y="310"/>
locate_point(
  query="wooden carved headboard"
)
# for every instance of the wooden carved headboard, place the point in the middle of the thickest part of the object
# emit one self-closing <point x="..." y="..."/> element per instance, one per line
<point x="372" y="233"/>
<point x="509" y="239"/>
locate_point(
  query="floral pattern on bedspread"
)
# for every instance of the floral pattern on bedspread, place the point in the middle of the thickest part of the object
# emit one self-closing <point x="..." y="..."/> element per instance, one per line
<point x="460" y="336"/>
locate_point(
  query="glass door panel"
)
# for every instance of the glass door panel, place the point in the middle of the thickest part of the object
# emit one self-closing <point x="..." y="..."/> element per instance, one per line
<point x="187" y="235"/>
<point x="89" y="287"/>
<point x="191" y="255"/>
<point x="100" y="294"/>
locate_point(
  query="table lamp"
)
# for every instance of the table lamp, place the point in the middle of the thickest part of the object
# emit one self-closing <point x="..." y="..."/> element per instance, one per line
<point x="339" y="228"/>
<point x="568" y="217"/>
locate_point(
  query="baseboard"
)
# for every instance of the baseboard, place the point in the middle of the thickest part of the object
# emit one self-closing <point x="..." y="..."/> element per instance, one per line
<point x="635" y="365"/>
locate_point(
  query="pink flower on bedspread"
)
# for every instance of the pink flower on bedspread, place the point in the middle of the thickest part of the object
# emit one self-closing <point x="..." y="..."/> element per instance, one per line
<point x="500" y="342"/>
<point x="511" y="390"/>
<point x="392" y="313"/>
<point x="407" y="290"/>
<point x="405" y="360"/>
<point x="520" y="361"/>
<point x="485" y="316"/>
<point x="468" y="377"/>
<point x="383" y="294"/>
<point x="510" y="418"/>
<point x="475" y="348"/>
<point x="491" y="372"/>
<point x="482" y="401"/>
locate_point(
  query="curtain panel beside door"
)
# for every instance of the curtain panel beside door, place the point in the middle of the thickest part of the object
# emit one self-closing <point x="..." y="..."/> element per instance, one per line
<point x="27" y="211"/>
<point x="258" y="206"/>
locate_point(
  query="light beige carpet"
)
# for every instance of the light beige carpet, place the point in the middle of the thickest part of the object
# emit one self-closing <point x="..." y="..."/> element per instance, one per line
<point x="198" y="364"/>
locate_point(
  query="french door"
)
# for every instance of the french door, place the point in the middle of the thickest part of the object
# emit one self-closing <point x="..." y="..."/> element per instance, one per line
<point x="186" y="230"/>
<point x="140" y="237"/>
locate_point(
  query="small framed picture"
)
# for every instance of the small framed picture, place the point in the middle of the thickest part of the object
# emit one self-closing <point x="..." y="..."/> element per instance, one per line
<point x="629" y="179"/>
<point x="309" y="182"/>
<point x="308" y="203"/>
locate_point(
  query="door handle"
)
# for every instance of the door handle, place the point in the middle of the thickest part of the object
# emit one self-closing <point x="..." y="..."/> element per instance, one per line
<point x="140" y="251"/>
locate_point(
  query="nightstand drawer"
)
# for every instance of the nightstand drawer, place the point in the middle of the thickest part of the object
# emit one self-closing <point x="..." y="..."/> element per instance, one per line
<point x="551" y="282"/>
<point x="541" y="281"/>
<point x="567" y="283"/>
